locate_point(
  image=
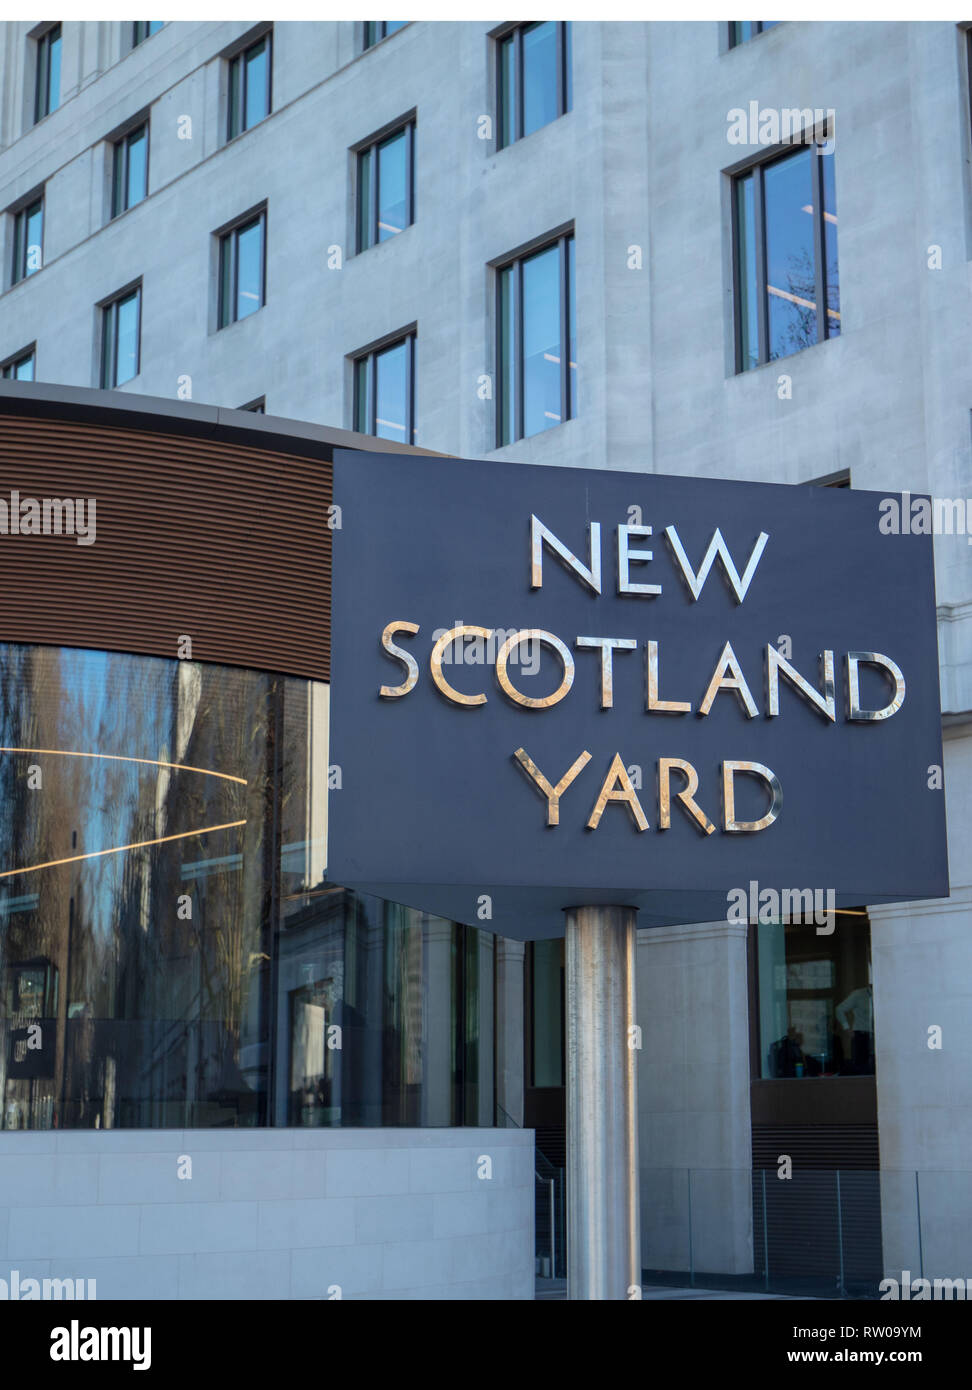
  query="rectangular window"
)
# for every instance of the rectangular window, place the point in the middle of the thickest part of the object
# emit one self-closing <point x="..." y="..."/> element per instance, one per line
<point x="384" y="391"/>
<point x="47" y="92"/>
<point x="121" y="330"/>
<point x="534" y="78"/>
<point x="537" y="340"/>
<point x="242" y="270"/>
<point x="816" y="1009"/>
<point x="20" y="367"/>
<point x="130" y="170"/>
<point x="143" y="29"/>
<point x="386" y="187"/>
<point x="28" y="241"/>
<point x="377" y="29"/>
<point x="785" y="256"/>
<point x="742" y="30"/>
<point x="249" y="87"/>
<point x="546" y="975"/>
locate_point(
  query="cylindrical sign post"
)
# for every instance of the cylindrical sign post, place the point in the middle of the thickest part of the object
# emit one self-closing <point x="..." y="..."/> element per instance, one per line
<point x="603" y="1210"/>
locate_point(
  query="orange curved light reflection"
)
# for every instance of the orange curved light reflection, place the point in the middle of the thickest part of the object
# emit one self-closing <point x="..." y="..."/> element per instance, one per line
<point x="120" y="849"/>
<point x="120" y="758"/>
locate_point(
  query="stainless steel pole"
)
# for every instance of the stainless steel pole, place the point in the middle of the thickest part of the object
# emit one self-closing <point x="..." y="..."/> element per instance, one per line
<point x="603" y="1209"/>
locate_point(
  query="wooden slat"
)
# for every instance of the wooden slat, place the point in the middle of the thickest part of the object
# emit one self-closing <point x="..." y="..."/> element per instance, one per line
<point x="226" y="544"/>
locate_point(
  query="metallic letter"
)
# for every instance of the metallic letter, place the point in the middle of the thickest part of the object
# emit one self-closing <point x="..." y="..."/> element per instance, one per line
<point x="652" y="701"/>
<point x="685" y="796"/>
<point x="624" y="644"/>
<point x="854" y="710"/>
<point x="736" y="682"/>
<point x="625" y="584"/>
<point x="389" y="692"/>
<point x="444" y="641"/>
<point x="534" y="634"/>
<point x="553" y="794"/>
<point x="776" y="665"/>
<point x="717" y="546"/>
<point x="539" y="533"/>
<point x="729" y="769"/>
<point x="617" y="787"/>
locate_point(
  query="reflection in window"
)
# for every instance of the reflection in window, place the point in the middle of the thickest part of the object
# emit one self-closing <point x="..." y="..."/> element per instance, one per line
<point x="21" y="367"/>
<point x="790" y="271"/>
<point x="249" y="87"/>
<point x="120" y="339"/>
<point x="28" y="241"/>
<point x="816" y="1009"/>
<point x="831" y="269"/>
<point x="149" y="966"/>
<point x="377" y="29"/>
<point x="537" y="342"/>
<point x="384" y="1015"/>
<point x="534" y="69"/>
<point x="386" y="187"/>
<point x="47" y="93"/>
<point x="137" y="966"/>
<point x="785" y="251"/>
<point x="242" y="261"/>
<point x="384" y="392"/>
<point x="130" y="170"/>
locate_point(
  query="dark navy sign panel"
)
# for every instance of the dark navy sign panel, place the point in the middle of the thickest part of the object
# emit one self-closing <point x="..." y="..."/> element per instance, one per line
<point x="434" y="811"/>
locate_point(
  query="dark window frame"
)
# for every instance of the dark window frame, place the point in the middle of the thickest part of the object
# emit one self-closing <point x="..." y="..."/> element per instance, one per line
<point x="142" y="29"/>
<point x="515" y="263"/>
<point x="230" y="236"/>
<point x="8" y="368"/>
<point x="236" y="91"/>
<point x="109" y="371"/>
<point x="757" y="1050"/>
<point x="121" y="147"/>
<point x="21" y="216"/>
<point x="564" y="78"/>
<point x="370" y="149"/>
<point x="42" y="73"/>
<point x="370" y="356"/>
<point x="760" y="26"/>
<point x="840" y="478"/>
<point x="757" y="168"/>
<point x="375" y="30"/>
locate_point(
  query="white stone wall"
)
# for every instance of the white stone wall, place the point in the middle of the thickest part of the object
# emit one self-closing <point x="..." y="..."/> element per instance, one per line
<point x="272" y="1213"/>
<point x="694" y="1133"/>
<point x="922" y="954"/>
<point x="641" y="161"/>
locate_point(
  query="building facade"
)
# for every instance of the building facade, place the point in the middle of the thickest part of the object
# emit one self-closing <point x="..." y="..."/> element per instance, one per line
<point x="734" y="251"/>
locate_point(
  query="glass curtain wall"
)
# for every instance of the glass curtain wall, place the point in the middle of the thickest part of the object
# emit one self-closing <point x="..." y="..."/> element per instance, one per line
<point x="816" y="1007"/>
<point x="171" y="954"/>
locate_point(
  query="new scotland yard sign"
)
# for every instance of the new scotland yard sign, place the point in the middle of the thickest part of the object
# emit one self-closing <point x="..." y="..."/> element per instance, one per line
<point x="557" y="686"/>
